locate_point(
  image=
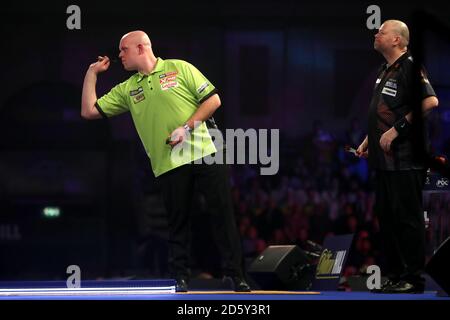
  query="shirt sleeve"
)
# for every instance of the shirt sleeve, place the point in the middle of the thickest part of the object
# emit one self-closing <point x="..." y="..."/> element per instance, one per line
<point x="198" y="84"/>
<point x="114" y="102"/>
<point x="427" y="89"/>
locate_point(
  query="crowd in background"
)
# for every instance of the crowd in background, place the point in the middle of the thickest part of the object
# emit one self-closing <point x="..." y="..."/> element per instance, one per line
<point x="319" y="191"/>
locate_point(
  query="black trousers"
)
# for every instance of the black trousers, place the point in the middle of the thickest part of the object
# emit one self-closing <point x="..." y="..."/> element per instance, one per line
<point x="400" y="215"/>
<point x="178" y="189"/>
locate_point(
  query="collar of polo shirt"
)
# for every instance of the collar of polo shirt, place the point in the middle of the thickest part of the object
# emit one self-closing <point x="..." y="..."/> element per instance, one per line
<point x="158" y="68"/>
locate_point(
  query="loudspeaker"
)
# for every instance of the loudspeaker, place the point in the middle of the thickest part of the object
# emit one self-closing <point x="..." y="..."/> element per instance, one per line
<point x="439" y="266"/>
<point x="282" y="268"/>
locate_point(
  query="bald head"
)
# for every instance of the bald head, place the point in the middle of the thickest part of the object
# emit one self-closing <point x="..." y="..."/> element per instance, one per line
<point x="136" y="38"/>
<point x="400" y="29"/>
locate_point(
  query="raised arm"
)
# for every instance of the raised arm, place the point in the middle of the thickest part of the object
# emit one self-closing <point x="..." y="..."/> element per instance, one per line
<point x="89" y="95"/>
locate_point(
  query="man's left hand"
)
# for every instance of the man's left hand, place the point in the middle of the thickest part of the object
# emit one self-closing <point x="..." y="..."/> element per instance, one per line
<point x="177" y="136"/>
<point x="387" y="138"/>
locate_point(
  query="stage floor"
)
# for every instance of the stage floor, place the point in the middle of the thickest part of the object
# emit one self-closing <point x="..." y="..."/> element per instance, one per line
<point x="223" y="295"/>
<point x="325" y="295"/>
<point x="165" y="290"/>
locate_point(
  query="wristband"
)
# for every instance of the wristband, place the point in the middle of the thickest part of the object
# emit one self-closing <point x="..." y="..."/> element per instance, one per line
<point x="187" y="128"/>
<point x="402" y="127"/>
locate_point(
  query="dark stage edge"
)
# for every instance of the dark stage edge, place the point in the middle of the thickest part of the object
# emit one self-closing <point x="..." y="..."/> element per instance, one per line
<point x="165" y="290"/>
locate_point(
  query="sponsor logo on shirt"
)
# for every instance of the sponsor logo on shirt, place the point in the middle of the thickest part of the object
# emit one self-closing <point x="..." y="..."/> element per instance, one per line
<point x="168" y="74"/>
<point x="391" y="83"/>
<point x="203" y="87"/>
<point x="138" y="98"/>
<point x="136" y="92"/>
<point x="377" y="82"/>
<point x="137" y="95"/>
<point x="389" y="92"/>
<point x="168" y="80"/>
<point x="424" y="78"/>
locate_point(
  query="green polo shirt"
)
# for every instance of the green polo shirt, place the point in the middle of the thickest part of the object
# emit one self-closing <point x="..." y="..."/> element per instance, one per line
<point x="159" y="103"/>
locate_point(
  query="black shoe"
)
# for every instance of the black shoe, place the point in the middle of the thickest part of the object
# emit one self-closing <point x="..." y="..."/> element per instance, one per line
<point x="182" y="285"/>
<point x="404" y="287"/>
<point x="386" y="284"/>
<point x="238" y="283"/>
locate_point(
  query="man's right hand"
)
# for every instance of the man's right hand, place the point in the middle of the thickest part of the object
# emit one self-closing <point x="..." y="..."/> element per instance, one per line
<point x="363" y="150"/>
<point x="101" y="65"/>
<point x="89" y="95"/>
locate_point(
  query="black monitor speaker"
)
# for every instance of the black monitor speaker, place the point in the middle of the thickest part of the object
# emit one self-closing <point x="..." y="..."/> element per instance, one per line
<point x="282" y="268"/>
